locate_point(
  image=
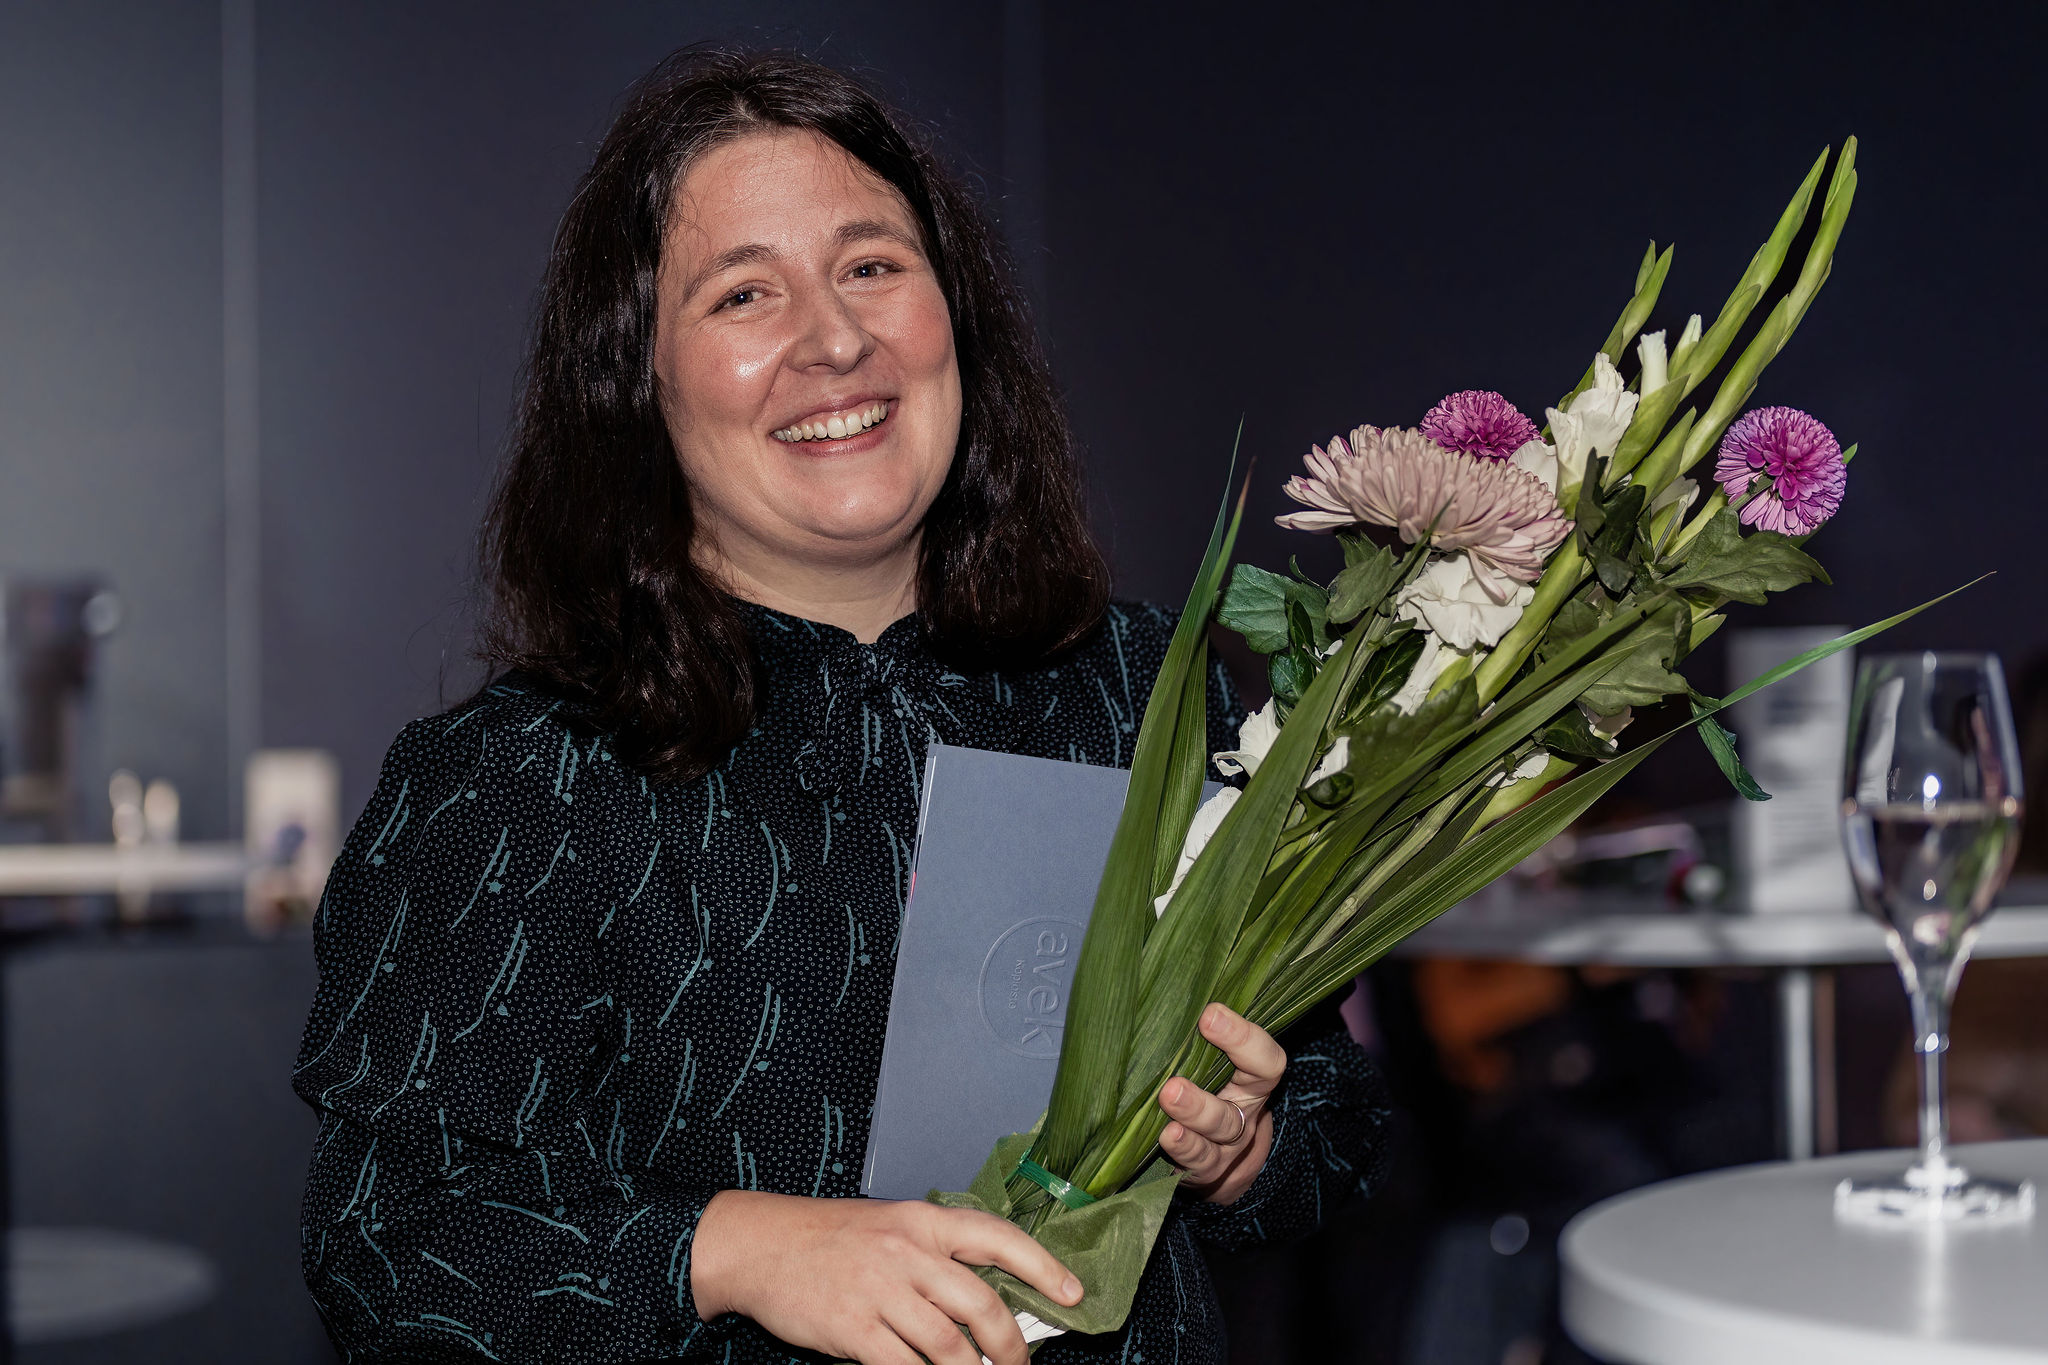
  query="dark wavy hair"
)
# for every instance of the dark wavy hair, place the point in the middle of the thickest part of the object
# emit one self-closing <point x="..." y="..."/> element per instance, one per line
<point x="586" y="547"/>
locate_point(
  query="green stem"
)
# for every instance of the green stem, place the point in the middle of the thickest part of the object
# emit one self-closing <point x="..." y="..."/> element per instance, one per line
<point x="1710" y="510"/>
<point x="1561" y="577"/>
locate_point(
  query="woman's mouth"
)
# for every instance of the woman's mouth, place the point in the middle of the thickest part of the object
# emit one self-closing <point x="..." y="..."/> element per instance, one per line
<point x="836" y="426"/>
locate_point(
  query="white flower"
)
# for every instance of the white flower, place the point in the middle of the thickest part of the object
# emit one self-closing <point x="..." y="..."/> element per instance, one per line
<point x="1452" y="601"/>
<point x="1607" y="727"/>
<point x="1334" y="762"/>
<point x="1539" y="459"/>
<point x="1687" y="339"/>
<point x="1569" y="433"/>
<point x="1594" y="423"/>
<point x="1532" y="766"/>
<point x="1429" y="666"/>
<point x="1679" y="492"/>
<point x="1200" y="831"/>
<point x="1254" y="740"/>
<point x="1606" y="409"/>
<point x="1651" y="349"/>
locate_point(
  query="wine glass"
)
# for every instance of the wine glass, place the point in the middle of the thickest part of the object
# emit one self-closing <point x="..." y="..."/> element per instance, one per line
<point x="1931" y="818"/>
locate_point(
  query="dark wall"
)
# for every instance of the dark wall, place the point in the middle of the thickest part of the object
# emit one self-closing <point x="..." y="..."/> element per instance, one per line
<point x="1328" y="215"/>
<point x="1308" y="218"/>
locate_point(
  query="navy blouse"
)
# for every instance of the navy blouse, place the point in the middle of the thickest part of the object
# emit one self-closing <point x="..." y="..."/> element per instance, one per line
<point x="560" y="1007"/>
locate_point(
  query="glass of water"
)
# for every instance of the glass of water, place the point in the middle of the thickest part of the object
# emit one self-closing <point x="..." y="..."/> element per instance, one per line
<point x="1931" y="805"/>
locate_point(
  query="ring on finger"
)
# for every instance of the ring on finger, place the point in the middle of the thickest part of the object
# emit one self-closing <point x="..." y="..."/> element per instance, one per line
<point x="1243" y="1124"/>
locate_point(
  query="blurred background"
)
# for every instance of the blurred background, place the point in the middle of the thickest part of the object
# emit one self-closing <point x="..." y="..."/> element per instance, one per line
<point x="266" y="271"/>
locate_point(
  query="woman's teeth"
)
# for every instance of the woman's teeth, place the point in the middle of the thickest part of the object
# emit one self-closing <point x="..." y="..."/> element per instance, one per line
<point x="835" y="428"/>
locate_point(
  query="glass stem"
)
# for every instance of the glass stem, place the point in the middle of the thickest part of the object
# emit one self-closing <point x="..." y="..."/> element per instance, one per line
<point x="1930" y="1042"/>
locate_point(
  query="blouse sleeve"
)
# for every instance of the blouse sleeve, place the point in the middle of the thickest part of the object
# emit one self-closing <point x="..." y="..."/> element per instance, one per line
<point x="1331" y="1121"/>
<point x="468" y="1196"/>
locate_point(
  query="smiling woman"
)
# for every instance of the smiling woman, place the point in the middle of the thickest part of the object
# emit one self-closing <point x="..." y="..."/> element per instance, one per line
<point x="605" y="965"/>
<point x="807" y="366"/>
<point x="760" y="246"/>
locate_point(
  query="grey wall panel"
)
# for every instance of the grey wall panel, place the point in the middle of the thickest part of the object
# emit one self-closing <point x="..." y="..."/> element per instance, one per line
<point x="110" y="380"/>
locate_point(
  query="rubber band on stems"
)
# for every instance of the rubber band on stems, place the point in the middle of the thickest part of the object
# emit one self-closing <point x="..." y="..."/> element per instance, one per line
<point x="1073" y="1196"/>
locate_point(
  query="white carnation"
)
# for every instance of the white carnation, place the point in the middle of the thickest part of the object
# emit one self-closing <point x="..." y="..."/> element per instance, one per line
<point x="1450" y="601"/>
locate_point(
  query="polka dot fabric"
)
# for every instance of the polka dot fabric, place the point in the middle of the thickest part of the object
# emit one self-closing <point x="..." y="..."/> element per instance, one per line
<point x="560" y="1007"/>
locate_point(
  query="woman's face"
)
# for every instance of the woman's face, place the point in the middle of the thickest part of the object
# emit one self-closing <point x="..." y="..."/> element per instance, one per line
<point x="805" y="357"/>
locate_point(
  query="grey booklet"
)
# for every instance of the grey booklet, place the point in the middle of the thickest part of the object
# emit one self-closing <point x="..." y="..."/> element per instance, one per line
<point x="1009" y="853"/>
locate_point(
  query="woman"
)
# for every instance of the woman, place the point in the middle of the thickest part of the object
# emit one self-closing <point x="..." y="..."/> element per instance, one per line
<point x="605" y="964"/>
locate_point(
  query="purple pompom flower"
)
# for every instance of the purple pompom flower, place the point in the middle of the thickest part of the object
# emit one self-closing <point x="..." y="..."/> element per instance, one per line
<point x="1800" y="460"/>
<point x="1479" y="422"/>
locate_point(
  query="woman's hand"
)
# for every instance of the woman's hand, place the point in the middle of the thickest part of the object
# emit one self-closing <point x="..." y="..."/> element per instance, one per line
<point x="876" y="1281"/>
<point x="1221" y="1151"/>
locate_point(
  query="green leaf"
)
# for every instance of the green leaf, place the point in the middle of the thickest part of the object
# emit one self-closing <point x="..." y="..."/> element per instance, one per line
<point x="1368" y="575"/>
<point x="1720" y="742"/>
<point x="1289" y="673"/>
<point x="1290" y="994"/>
<point x="1571" y="736"/>
<point x="1384" y="674"/>
<point x="1835" y="646"/>
<point x="1166" y="775"/>
<point x="1578" y="617"/>
<point x="1386" y="738"/>
<point x="1722" y="562"/>
<point x="1643" y="673"/>
<point x="1624" y="510"/>
<point x="1462" y="873"/>
<point x="1303" y="632"/>
<point x="1256" y="602"/>
<point x="1614" y="572"/>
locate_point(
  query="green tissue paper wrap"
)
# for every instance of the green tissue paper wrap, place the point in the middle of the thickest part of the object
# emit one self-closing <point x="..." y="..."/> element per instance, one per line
<point x="1105" y="1244"/>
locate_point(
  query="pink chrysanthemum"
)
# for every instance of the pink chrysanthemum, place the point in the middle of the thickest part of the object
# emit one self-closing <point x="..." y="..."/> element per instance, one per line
<point x="1504" y="517"/>
<point x="1479" y="422"/>
<point x="1800" y="460"/>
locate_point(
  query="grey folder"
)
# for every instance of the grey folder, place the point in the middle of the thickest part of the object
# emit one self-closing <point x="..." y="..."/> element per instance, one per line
<point x="1009" y="852"/>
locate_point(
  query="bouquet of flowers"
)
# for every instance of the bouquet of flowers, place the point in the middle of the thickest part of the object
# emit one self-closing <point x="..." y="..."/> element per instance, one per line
<point x="1446" y="705"/>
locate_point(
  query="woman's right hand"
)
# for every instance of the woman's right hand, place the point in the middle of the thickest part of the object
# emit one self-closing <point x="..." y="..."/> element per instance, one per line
<point x="876" y="1281"/>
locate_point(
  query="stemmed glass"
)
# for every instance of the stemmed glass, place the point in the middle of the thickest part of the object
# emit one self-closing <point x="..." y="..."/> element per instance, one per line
<point x="1931" y="818"/>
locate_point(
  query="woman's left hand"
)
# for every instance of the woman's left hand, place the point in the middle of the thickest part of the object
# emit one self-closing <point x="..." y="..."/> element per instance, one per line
<point x="1221" y="1140"/>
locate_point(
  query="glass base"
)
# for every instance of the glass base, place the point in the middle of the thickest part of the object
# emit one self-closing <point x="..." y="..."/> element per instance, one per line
<point x="1936" y="1192"/>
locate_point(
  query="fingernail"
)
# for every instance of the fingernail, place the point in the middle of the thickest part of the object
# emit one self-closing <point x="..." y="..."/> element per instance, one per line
<point x="1071" y="1289"/>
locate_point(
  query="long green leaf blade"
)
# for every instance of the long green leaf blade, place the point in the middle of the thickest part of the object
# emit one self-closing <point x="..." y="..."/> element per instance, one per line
<point x="1102" y="1002"/>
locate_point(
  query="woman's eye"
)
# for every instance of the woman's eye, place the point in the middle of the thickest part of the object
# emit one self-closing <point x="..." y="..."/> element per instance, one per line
<point x="868" y="270"/>
<point x="739" y="298"/>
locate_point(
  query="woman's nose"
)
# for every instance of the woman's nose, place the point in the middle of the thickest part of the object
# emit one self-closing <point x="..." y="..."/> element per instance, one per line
<point x="832" y="335"/>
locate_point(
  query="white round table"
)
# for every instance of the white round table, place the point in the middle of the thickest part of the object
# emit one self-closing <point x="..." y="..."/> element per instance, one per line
<point x="1749" y="1267"/>
<point x="67" y="1283"/>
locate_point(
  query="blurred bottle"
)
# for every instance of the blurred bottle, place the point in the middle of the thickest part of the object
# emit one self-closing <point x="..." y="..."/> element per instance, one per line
<point x="51" y="630"/>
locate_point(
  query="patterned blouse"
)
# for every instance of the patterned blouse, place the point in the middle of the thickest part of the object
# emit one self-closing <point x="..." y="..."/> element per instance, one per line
<point x="561" y="1007"/>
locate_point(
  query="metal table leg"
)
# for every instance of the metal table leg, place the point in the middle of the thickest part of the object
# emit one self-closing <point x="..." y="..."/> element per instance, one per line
<point x="1795" y="1061"/>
